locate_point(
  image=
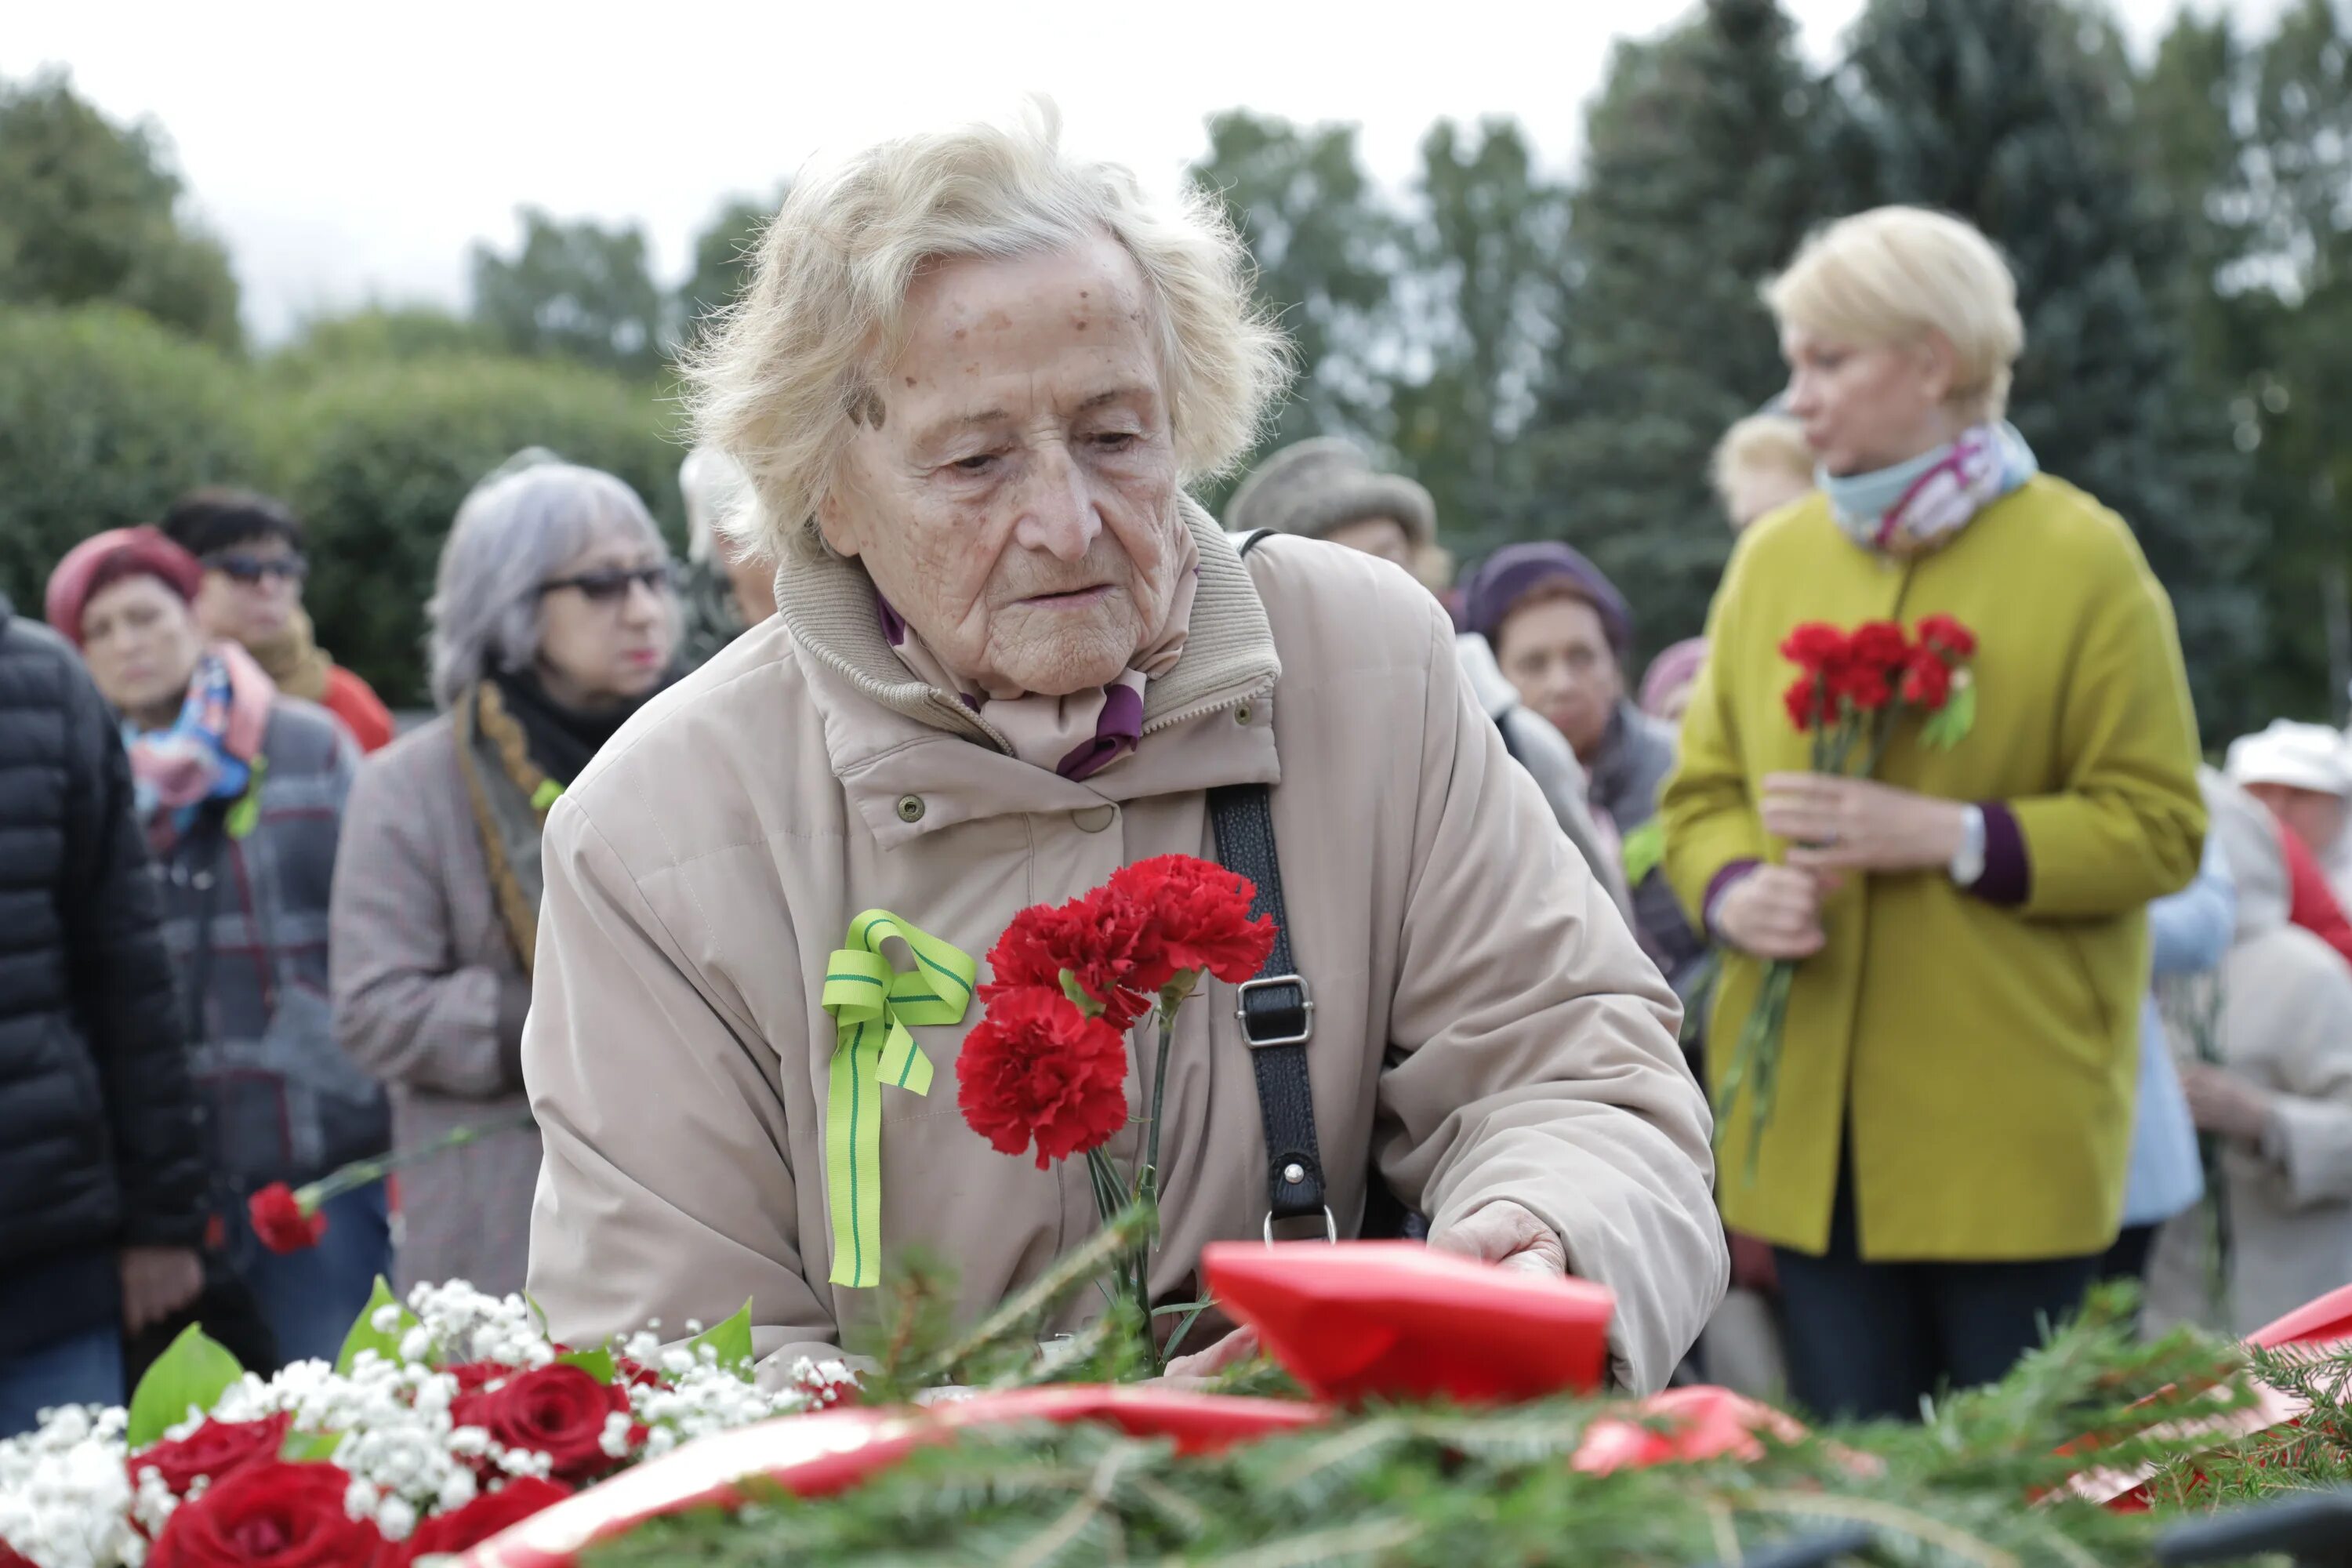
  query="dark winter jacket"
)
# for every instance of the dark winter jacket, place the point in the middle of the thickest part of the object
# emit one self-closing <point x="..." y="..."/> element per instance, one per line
<point x="101" y="1143"/>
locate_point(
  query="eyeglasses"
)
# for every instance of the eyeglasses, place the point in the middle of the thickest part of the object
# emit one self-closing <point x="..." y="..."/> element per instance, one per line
<point x="611" y="584"/>
<point x="251" y="570"/>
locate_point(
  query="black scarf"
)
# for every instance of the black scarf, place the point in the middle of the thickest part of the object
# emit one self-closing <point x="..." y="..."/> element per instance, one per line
<point x="563" y="739"/>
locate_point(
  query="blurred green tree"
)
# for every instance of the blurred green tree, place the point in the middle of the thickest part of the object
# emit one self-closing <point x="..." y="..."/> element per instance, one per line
<point x="578" y="290"/>
<point x="1329" y="251"/>
<point x="92" y="211"/>
<point x="1702" y="172"/>
<point x="2251" y="141"/>
<point x="1487" y="271"/>
<point x="722" y="258"/>
<point x="2012" y="114"/>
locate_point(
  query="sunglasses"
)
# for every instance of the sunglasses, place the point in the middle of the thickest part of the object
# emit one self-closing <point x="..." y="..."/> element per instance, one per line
<point x="250" y="570"/>
<point x="611" y="584"/>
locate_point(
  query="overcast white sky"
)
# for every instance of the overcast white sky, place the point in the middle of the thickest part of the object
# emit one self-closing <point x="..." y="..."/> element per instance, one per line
<point x="351" y="152"/>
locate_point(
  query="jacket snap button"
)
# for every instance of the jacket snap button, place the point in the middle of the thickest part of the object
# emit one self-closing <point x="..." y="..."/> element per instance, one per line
<point x="1242" y="715"/>
<point x="1095" y="818"/>
<point x="910" y="808"/>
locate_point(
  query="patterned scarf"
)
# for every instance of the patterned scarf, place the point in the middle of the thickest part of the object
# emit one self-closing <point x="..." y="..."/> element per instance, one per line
<point x="1919" y="507"/>
<point x="208" y="752"/>
<point x="1078" y="735"/>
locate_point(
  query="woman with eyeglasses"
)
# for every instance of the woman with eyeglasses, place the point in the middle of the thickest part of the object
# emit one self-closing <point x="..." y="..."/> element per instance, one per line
<point x="552" y="621"/>
<point x="241" y="791"/>
<point x="251" y="550"/>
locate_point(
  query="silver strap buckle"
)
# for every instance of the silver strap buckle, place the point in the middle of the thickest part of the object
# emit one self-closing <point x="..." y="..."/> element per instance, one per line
<point x="1331" y="1227"/>
<point x="1266" y="982"/>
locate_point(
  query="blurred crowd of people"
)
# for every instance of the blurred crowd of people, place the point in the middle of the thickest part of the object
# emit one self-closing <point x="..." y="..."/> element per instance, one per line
<point x="2071" y="1005"/>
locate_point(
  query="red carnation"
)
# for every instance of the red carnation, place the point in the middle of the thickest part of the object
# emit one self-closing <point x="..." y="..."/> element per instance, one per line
<point x="1927" y="680"/>
<point x="287" y="1516"/>
<point x="1865" y="686"/>
<point x="280" y="1220"/>
<point x="1816" y="646"/>
<point x="477" y="1521"/>
<point x="1091" y="938"/>
<point x="211" y="1452"/>
<point x="1195" y="916"/>
<point x="559" y="1411"/>
<point x="1806" y="704"/>
<point x="1879" y="646"/>
<point x="1948" y="636"/>
<point x="1036" y="1068"/>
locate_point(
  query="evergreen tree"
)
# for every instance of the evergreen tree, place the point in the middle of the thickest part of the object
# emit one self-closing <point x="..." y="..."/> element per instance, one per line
<point x="2007" y="112"/>
<point x="1326" y="249"/>
<point x="578" y="290"/>
<point x="722" y="257"/>
<point x="1487" y="274"/>
<point x="1702" y="163"/>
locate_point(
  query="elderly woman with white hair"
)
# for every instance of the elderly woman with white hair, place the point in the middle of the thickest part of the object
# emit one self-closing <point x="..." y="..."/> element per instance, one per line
<point x="552" y="621"/>
<point x="969" y="381"/>
<point x="1945" y="1164"/>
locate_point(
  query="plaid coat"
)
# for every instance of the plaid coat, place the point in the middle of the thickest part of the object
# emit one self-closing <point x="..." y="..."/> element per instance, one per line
<point x="430" y="996"/>
<point x="245" y="924"/>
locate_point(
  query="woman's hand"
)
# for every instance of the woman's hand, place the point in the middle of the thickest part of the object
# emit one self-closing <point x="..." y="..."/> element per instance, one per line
<point x="1508" y="1233"/>
<point x="2220" y="1101"/>
<point x="157" y="1281"/>
<point x="1772" y="912"/>
<point x="1853" y="825"/>
<point x="1198" y="1371"/>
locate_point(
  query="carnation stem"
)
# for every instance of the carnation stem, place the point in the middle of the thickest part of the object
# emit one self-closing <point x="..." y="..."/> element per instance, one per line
<point x="362" y="1173"/>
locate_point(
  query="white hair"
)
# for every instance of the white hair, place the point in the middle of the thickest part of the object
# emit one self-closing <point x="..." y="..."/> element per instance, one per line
<point x="714" y="485"/>
<point x="793" y="363"/>
<point x="515" y="531"/>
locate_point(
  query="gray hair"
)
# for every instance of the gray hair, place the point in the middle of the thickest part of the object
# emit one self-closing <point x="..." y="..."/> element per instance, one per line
<point x="792" y="364"/>
<point x="515" y="531"/>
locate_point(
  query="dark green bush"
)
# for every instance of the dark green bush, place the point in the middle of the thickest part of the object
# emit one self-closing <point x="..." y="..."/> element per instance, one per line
<point x="104" y="419"/>
<point x="376" y="457"/>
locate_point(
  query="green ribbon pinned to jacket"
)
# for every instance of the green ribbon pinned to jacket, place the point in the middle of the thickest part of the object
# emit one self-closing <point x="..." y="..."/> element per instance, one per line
<point x="872" y="1004"/>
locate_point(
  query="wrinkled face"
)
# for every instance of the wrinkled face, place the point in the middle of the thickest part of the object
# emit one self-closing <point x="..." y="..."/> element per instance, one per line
<point x="2313" y="816"/>
<point x="142" y="642"/>
<point x="1868" y="407"/>
<point x="607" y="625"/>
<point x="1382" y="536"/>
<point x="1012" y="484"/>
<point x="250" y="590"/>
<point x="1557" y="653"/>
<point x="1752" y="490"/>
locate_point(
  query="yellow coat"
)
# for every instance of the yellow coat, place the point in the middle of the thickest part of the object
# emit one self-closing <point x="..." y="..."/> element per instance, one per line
<point x="1981" y="1059"/>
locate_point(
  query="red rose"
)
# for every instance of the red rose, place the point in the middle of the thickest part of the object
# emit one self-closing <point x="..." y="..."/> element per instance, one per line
<point x="278" y="1220"/>
<point x="211" y="1452"/>
<point x="9" y="1559"/>
<point x="559" y="1411"/>
<point x="1036" y="1068"/>
<point x="1946" y="636"/>
<point x="1805" y="703"/>
<point x="473" y="1376"/>
<point x="1928" y="681"/>
<point x="271" y="1515"/>
<point x="1092" y="939"/>
<point x="476" y="1522"/>
<point x="1816" y="646"/>
<point x="1196" y="916"/>
<point x="1879" y="646"/>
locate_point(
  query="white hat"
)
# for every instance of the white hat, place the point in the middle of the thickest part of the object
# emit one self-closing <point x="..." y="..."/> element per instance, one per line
<point x="2300" y="756"/>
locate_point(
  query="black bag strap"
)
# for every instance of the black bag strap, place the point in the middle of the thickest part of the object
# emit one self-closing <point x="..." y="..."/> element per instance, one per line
<point x="1276" y="1012"/>
<point x="1251" y="541"/>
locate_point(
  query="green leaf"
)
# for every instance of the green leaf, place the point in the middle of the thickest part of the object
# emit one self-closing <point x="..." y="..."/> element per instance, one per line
<point x="365" y="1336"/>
<point x="1644" y="851"/>
<point x="1950" y="726"/>
<point x="193" y="1373"/>
<point x="302" y="1448"/>
<point x="597" y="1364"/>
<point x="1079" y="997"/>
<point x="732" y="1339"/>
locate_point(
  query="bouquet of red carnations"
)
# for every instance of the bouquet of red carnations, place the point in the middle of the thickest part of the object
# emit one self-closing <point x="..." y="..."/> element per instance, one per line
<point x="1852" y="693"/>
<point x="1047" y="1063"/>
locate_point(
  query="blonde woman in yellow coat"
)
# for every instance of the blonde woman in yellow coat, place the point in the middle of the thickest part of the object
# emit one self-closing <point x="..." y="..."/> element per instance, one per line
<point x="1944" y="1163"/>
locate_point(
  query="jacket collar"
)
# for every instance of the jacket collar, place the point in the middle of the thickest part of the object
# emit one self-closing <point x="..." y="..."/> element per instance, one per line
<point x="891" y="738"/>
